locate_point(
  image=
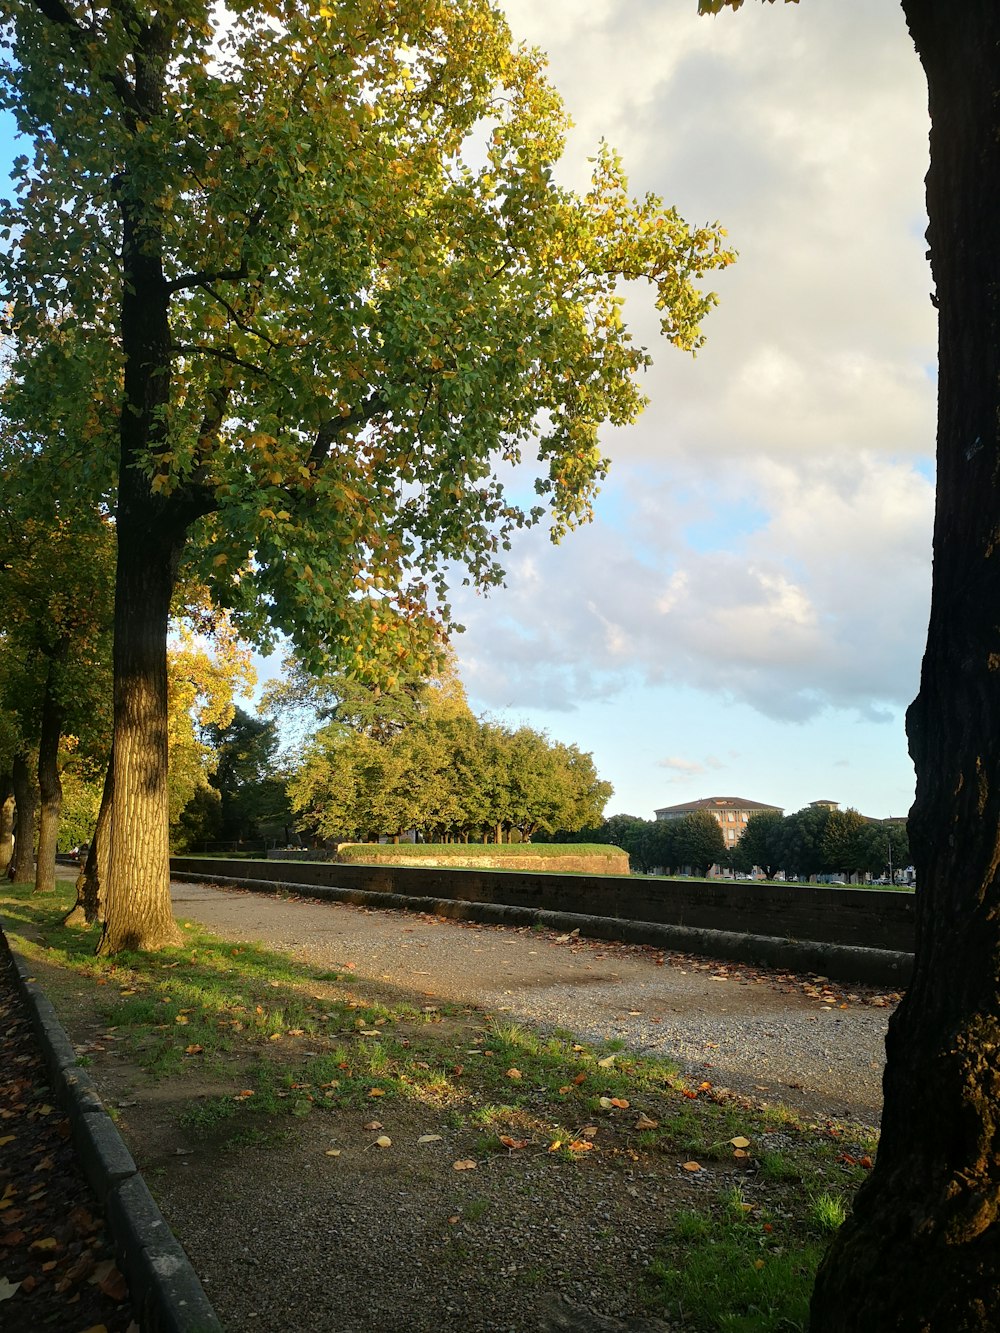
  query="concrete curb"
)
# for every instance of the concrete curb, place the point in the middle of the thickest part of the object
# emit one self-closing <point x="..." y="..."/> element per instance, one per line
<point x="166" y="1292"/>
<point x="841" y="962"/>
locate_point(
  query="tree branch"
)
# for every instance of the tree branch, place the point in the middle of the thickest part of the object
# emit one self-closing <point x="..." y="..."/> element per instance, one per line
<point x="56" y="12"/>
<point x="331" y="430"/>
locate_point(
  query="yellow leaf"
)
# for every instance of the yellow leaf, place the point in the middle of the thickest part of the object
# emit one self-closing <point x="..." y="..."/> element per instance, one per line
<point x="464" y="1164"/>
<point x="383" y="1141"/>
<point x="333" y="1152"/>
<point x="607" y="1062"/>
<point x="513" y="1073"/>
<point x="740" y="1142"/>
<point x="692" y="1166"/>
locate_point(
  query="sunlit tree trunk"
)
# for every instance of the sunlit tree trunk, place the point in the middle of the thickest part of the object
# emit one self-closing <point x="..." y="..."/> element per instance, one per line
<point x="922" y="1249"/>
<point x="25" y="802"/>
<point x="137" y="910"/>
<point x="6" y="821"/>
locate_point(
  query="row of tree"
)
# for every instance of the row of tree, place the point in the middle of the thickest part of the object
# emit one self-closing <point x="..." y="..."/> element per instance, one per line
<point x="416" y="758"/>
<point x="817" y="840"/>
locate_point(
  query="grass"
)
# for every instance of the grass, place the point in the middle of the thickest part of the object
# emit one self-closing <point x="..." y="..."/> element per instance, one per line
<point x="276" y="1040"/>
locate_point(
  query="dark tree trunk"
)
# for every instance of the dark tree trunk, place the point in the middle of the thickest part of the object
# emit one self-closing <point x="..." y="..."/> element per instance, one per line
<point x="25" y="803"/>
<point x="89" y="906"/>
<point x="49" y="784"/>
<point x="922" y="1248"/>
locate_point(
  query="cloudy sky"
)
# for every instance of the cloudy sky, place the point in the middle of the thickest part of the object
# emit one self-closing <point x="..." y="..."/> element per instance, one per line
<point x="746" y="614"/>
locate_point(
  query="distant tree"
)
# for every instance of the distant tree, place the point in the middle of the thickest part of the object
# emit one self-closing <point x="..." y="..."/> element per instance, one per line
<point x="759" y="843"/>
<point x="847" y="842"/>
<point x="252" y="798"/>
<point x="700" y="842"/>
<point x="801" y="849"/>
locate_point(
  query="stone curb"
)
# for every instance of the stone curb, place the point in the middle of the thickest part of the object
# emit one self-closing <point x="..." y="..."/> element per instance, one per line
<point x="165" y="1290"/>
<point x="841" y="962"/>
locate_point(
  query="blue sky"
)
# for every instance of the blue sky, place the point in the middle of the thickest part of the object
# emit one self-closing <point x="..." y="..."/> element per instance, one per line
<point x="746" y="614"/>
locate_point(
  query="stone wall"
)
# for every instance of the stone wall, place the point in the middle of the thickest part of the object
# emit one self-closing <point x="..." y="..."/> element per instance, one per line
<point x="865" y="918"/>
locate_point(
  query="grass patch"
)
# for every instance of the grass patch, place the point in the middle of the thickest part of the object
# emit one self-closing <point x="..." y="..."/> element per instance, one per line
<point x="281" y="1041"/>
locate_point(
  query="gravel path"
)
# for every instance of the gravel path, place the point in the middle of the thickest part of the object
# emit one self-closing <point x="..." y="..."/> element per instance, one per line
<point x="772" y="1035"/>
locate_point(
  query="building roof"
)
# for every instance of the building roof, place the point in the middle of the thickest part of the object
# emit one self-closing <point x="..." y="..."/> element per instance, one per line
<point x="713" y="803"/>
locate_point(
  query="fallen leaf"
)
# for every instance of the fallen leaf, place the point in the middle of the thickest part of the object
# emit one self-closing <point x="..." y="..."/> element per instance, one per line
<point x="686" y="1092"/>
<point x="375" y="1092"/>
<point x="333" y="1152"/>
<point x="513" y="1144"/>
<point x="7" y="1289"/>
<point x="580" y="1145"/>
<point x="692" y="1166"/>
<point x="513" y="1073"/>
<point x="555" y="1145"/>
<point x="193" y="1050"/>
<point x="580" y="1078"/>
<point x="607" y="1062"/>
<point x="180" y="1018"/>
<point x="430" y="1138"/>
<point x="48" y="1243"/>
<point x="740" y="1154"/>
<point x="740" y="1142"/>
<point x="644" y="1122"/>
<point x="464" y="1164"/>
<point x="373" y="1125"/>
<point x="588" y="1132"/>
<point x="620" y="1102"/>
<point x="758" y="1264"/>
<point x="369" y="1032"/>
<point x="383" y="1141"/>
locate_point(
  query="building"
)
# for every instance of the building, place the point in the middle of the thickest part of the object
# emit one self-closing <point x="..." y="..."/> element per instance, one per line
<point x="732" y="812"/>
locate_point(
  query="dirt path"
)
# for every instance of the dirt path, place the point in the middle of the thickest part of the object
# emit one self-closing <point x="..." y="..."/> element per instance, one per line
<point x="772" y="1035"/>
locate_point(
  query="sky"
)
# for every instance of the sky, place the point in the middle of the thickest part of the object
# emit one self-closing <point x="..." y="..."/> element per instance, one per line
<point x="747" y="612"/>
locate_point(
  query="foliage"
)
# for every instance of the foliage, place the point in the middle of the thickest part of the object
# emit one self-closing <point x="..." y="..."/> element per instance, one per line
<point x="759" y="843"/>
<point x="415" y="757"/>
<point x="357" y="325"/>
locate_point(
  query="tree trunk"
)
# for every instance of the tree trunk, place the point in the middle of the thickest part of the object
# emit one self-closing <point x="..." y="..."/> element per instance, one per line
<point x="922" y="1248"/>
<point x="138" y="910"/>
<point x="25" y="802"/>
<point x="49" y="785"/>
<point x="6" y="821"/>
<point x="89" y="906"/>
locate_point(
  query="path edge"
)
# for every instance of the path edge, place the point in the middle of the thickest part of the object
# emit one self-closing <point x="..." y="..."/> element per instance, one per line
<point x="166" y="1292"/>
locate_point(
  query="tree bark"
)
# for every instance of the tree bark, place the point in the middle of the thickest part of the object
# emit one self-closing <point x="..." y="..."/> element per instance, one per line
<point x="25" y="802"/>
<point x="922" y="1248"/>
<point x="89" y="906"/>
<point x="49" y="784"/>
<point x="6" y="821"/>
<point x="138" y="910"/>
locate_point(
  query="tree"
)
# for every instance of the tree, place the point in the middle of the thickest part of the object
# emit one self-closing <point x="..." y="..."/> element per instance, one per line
<point x="801" y="845"/>
<point x="919" y="1250"/>
<point x="759" y="843"/>
<point x="252" y="800"/>
<point x="847" y="843"/>
<point x="699" y="841"/>
<point x="311" y="328"/>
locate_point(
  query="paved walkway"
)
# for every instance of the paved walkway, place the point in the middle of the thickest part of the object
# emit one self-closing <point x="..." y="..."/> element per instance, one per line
<point x="773" y="1035"/>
